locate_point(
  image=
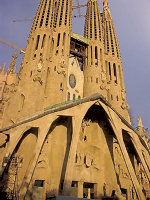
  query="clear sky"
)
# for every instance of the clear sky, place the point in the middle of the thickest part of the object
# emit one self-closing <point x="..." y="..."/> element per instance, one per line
<point x="132" y="23"/>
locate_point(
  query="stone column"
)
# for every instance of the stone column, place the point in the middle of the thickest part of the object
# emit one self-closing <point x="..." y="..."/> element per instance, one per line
<point x="80" y="189"/>
<point x="89" y="193"/>
<point x="115" y="122"/>
<point x="43" y="131"/>
<point x="137" y="145"/>
<point x="118" y="133"/>
<point x="76" y="124"/>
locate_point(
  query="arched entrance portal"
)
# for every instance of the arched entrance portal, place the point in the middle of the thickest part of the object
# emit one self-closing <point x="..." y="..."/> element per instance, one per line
<point x="50" y="170"/>
<point x="19" y="163"/>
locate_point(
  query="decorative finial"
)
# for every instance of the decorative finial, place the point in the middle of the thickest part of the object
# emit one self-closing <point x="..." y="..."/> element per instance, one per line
<point x="4" y="68"/>
<point x="105" y="3"/>
<point x="140" y="124"/>
<point x="140" y="127"/>
<point x="1" y="68"/>
<point x="12" y="64"/>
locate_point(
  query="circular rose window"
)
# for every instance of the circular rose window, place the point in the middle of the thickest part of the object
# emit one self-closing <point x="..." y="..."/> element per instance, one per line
<point x="72" y="81"/>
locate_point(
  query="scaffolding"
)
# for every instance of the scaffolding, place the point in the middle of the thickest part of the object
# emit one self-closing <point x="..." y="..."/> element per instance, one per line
<point x="11" y="187"/>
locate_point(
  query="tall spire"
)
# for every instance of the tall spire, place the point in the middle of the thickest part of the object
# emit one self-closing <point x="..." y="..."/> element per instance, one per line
<point x="44" y="68"/>
<point x="93" y="26"/>
<point x="110" y="37"/>
<point x="94" y="71"/>
<point x="113" y="64"/>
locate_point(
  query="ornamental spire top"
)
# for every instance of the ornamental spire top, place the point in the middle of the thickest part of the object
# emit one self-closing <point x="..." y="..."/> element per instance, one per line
<point x="105" y="3"/>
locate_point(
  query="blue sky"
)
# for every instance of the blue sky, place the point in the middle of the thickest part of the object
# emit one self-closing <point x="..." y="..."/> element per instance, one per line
<point x="132" y="23"/>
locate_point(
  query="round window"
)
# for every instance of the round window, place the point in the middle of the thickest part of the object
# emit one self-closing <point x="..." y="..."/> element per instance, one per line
<point x="72" y="81"/>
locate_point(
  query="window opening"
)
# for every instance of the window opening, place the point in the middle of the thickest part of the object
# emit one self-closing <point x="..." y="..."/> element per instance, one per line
<point x="37" y="42"/>
<point x="91" y="56"/>
<point x="96" y="56"/>
<point x="58" y="39"/>
<point x="74" y="96"/>
<point x="64" y="38"/>
<point x="111" y="97"/>
<point x="88" y="190"/>
<point x="68" y="96"/>
<point x="115" y="72"/>
<point x="109" y="65"/>
<point x="43" y="41"/>
<point x="39" y="183"/>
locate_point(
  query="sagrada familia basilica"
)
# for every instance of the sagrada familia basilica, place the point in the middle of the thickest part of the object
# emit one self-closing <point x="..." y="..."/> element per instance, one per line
<point x="65" y="129"/>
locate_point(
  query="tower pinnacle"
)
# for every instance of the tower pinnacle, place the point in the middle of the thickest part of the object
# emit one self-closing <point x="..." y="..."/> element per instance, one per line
<point x="105" y="3"/>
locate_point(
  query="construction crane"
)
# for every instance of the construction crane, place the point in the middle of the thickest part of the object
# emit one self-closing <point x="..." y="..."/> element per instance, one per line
<point x="23" y="20"/>
<point x="78" y="6"/>
<point x="12" y="45"/>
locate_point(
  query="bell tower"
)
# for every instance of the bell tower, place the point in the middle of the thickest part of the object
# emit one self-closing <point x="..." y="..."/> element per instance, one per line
<point x="94" y="72"/>
<point x="103" y="72"/>
<point x="43" y="71"/>
<point x="116" y="93"/>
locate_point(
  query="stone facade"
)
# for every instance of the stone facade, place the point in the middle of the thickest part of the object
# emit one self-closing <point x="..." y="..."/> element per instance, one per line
<point x="65" y="127"/>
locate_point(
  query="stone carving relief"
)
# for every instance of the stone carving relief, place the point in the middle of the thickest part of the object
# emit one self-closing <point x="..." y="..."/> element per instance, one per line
<point x="84" y="124"/>
<point x="141" y="175"/>
<point x="61" y="67"/>
<point x="103" y="78"/>
<point x="87" y="160"/>
<point x="37" y="74"/>
<point x="124" y="104"/>
<point x="119" y="163"/>
<point x="103" y="75"/>
<point x="121" y="171"/>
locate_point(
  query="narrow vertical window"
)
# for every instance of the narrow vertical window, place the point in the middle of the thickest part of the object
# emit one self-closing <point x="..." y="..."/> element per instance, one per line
<point x="74" y="97"/>
<point x="91" y="56"/>
<point x="96" y="57"/>
<point x="43" y="41"/>
<point x="109" y="65"/>
<point x="52" y="46"/>
<point x="115" y="72"/>
<point x="64" y="38"/>
<point x="68" y="96"/>
<point x="37" y="42"/>
<point x="101" y="57"/>
<point x="114" y="66"/>
<point x="61" y="86"/>
<point x="58" y="39"/>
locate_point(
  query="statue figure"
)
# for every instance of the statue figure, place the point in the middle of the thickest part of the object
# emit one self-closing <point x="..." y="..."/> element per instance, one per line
<point x="103" y="75"/>
<point x="123" y="94"/>
<point x="12" y="64"/>
<point x="40" y="66"/>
